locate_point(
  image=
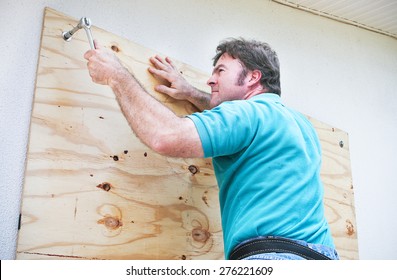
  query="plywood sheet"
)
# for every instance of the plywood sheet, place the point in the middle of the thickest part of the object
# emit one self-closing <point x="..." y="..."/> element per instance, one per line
<point x="93" y="191"/>
<point x="338" y="188"/>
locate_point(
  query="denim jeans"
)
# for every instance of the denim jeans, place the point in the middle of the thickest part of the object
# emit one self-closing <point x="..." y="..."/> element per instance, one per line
<point x="323" y="249"/>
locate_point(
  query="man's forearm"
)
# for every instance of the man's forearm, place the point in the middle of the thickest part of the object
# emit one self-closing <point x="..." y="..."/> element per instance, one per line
<point x="155" y="124"/>
<point x="200" y="99"/>
<point x="146" y="116"/>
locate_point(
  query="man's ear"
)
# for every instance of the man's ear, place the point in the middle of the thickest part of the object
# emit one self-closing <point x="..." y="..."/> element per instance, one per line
<point x="255" y="77"/>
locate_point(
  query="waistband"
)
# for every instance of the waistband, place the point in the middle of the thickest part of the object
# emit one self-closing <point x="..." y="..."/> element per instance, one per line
<point x="272" y="244"/>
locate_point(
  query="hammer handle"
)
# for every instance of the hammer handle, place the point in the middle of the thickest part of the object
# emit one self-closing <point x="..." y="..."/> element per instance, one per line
<point x="90" y="39"/>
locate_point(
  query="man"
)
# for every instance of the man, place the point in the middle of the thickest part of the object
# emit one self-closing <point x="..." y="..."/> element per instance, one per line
<point x="266" y="156"/>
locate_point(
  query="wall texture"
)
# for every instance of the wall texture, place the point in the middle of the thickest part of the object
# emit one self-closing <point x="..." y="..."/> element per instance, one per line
<point x="336" y="73"/>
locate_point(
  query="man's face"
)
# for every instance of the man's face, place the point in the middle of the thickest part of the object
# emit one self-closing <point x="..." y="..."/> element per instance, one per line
<point x="227" y="82"/>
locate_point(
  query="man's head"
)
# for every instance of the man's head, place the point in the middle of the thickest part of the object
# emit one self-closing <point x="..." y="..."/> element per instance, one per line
<point x="253" y="55"/>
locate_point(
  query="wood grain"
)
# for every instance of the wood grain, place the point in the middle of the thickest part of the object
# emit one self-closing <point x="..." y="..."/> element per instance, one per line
<point x="93" y="191"/>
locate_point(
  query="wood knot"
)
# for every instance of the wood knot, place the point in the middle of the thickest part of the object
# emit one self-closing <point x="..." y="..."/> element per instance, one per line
<point x="200" y="235"/>
<point x="105" y="186"/>
<point x="193" y="169"/>
<point x="111" y="222"/>
<point x="205" y="198"/>
<point x="115" y="48"/>
<point x="349" y="228"/>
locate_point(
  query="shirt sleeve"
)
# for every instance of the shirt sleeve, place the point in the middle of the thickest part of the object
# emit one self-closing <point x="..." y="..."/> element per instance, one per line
<point x="224" y="130"/>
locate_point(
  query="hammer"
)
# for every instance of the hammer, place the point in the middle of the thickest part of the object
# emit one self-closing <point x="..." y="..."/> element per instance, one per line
<point x="83" y="23"/>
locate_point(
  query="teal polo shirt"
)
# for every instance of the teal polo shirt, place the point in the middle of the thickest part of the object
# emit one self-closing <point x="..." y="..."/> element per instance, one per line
<point x="267" y="161"/>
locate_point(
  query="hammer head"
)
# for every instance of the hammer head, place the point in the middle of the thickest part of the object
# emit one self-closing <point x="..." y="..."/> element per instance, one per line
<point x="83" y="23"/>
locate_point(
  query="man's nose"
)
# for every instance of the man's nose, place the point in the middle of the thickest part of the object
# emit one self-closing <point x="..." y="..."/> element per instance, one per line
<point x="211" y="81"/>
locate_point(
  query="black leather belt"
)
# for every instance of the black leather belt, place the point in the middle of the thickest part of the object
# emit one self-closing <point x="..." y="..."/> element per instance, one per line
<point x="274" y="245"/>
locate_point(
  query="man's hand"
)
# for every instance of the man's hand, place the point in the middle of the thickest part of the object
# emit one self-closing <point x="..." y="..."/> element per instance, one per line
<point x="178" y="88"/>
<point x="165" y="70"/>
<point x="103" y="65"/>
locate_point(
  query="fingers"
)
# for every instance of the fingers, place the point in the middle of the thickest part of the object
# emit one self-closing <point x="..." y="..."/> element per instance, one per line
<point x="164" y="89"/>
<point x="169" y="61"/>
<point x="163" y="69"/>
<point x="101" y="64"/>
<point x="160" y="68"/>
<point x="90" y="53"/>
<point x="163" y="64"/>
<point x="158" y="62"/>
<point x="159" y="73"/>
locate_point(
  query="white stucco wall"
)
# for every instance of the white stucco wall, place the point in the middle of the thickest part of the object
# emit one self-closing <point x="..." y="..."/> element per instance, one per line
<point x="339" y="74"/>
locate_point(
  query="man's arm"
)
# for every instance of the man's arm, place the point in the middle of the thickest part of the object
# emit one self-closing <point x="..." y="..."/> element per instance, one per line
<point x="156" y="125"/>
<point x="178" y="87"/>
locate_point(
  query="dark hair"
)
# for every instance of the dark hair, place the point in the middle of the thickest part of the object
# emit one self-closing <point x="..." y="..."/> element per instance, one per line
<point x="254" y="55"/>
